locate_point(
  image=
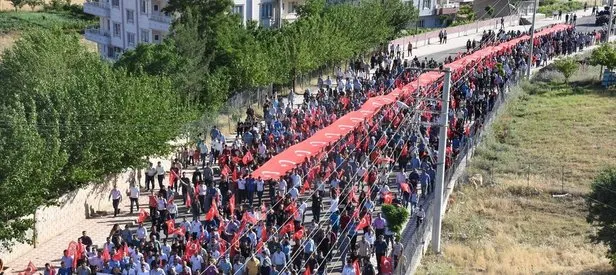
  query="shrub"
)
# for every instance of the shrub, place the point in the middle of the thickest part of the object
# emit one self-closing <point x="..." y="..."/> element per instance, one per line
<point x="566" y="66"/>
<point x="396" y="216"/>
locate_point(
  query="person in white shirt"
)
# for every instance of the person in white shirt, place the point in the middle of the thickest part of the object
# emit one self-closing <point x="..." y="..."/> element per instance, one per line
<point x="296" y="179"/>
<point x="172" y="209"/>
<point x="196" y="262"/>
<point x="282" y="188"/>
<point x="137" y="256"/>
<point x="134" y="197"/>
<point x="262" y="150"/>
<point x="334" y="206"/>
<point x="142" y="232"/>
<point x="150" y="173"/>
<point x="160" y="172"/>
<point x="294" y="193"/>
<point x="195" y="227"/>
<point x="260" y="189"/>
<point x="157" y="271"/>
<point x="116" y="196"/>
<point x="241" y="186"/>
<point x="302" y="209"/>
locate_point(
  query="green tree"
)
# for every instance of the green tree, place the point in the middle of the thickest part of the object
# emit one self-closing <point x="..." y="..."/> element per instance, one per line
<point x="396" y="217"/>
<point x="566" y="66"/>
<point x="17" y="3"/>
<point x="33" y="3"/>
<point x="604" y="55"/>
<point x="602" y="211"/>
<point x="489" y="10"/>
<point x="69" y="119"/>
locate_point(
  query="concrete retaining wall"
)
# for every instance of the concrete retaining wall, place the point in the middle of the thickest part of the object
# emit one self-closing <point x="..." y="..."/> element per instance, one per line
<point x="72" y="209"/>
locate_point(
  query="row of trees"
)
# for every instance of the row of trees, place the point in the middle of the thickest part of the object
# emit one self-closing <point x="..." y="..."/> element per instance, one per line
<point x="212" y="55"/>
<point x="68" y="119"/>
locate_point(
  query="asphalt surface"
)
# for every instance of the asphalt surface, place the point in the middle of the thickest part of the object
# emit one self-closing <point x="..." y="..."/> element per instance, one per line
<point x="584" y="24"/>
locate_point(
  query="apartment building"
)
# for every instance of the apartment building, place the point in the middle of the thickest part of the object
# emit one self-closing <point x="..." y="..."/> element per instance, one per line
<point x="123" y="24"/>
<point x="432" y="12"/>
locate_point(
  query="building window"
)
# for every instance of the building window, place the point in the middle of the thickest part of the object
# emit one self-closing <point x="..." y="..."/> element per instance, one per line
<point x="130" y="16"/>
<point x="426" y="4"/>
<point x="115" y="3"/>
<point x="155" y="7"/>
<point x="239" y="10"/>
<point x="266" y="10"/>
<point x="130" y="38"/>
<point x="292" y="7"/>
<point x="156" y="37"/>
<point x="145" y="36"/>
<point x="143" y="7"/>
<point x="116" y="29"/>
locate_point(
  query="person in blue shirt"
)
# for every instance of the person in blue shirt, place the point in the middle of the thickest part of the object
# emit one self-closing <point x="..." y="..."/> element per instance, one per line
<point x="214" y="133"/>
<point x="334" y="221"/>
<point x="251" y="188"/>
<point x="64" y="270"/>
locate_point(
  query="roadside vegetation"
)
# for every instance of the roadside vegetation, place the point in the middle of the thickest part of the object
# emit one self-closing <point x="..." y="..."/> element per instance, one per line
<point x="548" y="7"/>
<point x="528" y="215"/>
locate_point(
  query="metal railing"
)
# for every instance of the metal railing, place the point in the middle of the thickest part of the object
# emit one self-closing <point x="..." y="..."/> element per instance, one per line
<point x="99" y="4"/>
<point x="426" y="38"/>
<point x="97" y="31"/>
<point x="161" y="17"/>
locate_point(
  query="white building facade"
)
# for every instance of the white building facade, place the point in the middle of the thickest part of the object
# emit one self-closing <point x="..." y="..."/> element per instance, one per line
<point x="123" y="24"/>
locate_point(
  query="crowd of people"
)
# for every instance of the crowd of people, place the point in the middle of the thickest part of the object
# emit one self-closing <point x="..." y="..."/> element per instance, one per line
<point x="239" y="224"/>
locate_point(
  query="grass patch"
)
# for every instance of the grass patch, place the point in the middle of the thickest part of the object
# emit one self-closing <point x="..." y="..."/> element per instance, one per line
<point x="549" y="6"/>
<point x="69" y="20"/>
<point x="550" y="137"/>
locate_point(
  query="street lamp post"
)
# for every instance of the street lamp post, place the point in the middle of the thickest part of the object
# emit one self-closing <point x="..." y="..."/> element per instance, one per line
<point x="611" y="23"/>
<point x="532" y="38"/>
<point x="440" y="168"/>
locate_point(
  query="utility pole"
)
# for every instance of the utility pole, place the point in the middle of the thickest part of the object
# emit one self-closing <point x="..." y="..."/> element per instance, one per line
<point x="532" y="38"/>
<point x="610" y="24"/>
<point x="440" y="169"/>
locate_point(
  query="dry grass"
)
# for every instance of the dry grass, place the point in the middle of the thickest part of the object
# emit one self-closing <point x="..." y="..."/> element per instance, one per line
<point x="515" y="226"/>
<point x="6" y="41"/>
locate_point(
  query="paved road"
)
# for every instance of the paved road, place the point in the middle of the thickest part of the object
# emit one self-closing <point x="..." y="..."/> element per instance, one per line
<point x="584" y="24"/>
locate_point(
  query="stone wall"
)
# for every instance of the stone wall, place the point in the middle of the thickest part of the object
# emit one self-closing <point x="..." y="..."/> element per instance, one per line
<point x="72" y="209"/>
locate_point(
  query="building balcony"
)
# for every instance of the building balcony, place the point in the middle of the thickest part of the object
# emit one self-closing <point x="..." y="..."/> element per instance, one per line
<point x="99" y="8"/>
<point x="290" y="17"/>
<point x="267" y="22"/>
<point x="97" y="35"/>
<point x="446" y="11"/>
<point x="160" y="22"/>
